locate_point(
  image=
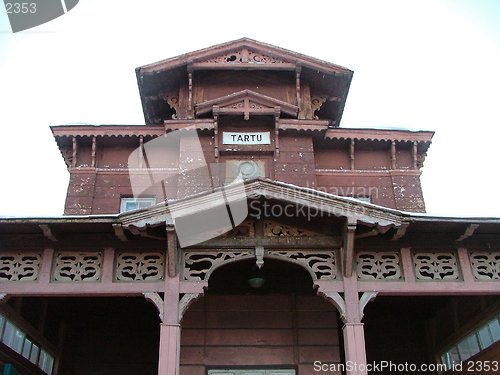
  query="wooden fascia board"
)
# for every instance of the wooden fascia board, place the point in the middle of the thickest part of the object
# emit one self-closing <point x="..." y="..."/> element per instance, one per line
<point x="202" y="124"/>
<point x="380" y="135"/>
<point x="106" y="130"/>
<point x="299" y="125"/>
<point x="363" y="213"/>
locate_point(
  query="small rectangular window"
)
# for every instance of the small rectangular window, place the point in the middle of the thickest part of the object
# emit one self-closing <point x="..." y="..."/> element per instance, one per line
<point x="26" y="348"/>
<point x="485" y="338"/>
<point x="8" y="334"/>
<point x="495" y="329"/>
<point x="34" y="354"/>
<point x="130" y="204"/>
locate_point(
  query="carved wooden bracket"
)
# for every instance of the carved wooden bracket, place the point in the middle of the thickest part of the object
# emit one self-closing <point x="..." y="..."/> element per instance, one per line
<point x="400" y="232"/>
<point x="471" y="228"/>
<point x="347" y="250"/>
<point x="336" y="299"/>
<point x="186" y="301"/>
<point x="119" y="232"/>
<point x="363" y="301"/>
<point x="47" y="232"/>
<point x="155" y="298"/>
<point x="172" y="252"/>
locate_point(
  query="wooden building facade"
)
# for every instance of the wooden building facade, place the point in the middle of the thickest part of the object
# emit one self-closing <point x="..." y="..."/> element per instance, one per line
<point x="334" y="266"/>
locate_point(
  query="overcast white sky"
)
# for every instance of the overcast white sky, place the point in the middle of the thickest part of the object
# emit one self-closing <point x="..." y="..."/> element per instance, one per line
<point x="432" y="65"/>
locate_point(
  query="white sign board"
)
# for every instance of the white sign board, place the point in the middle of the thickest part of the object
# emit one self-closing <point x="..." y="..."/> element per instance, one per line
<point x="240" y="138"/>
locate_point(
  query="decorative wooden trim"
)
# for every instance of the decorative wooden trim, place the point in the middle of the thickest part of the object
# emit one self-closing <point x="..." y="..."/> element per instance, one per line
<point x="425" y="137"/>
<point x="156" y="300"/>
<point x="335" y="299"/>
<point x="259" y="256"/>
<point x="107" y="131"/>
<point x="246" y="102"/>
<point x="135" y="266"/>
<point x="20" y="267"/>
<point x="186" y="301"/>
<point x="363" y="301"/>
<point x="321" y="264"/>
<point x="378" y="265"/>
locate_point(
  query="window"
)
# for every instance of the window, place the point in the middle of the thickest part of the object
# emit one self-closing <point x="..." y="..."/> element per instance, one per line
<point x="478" y="340"/>
<point x="130" y="204"/>
<point x="16" y="339"/>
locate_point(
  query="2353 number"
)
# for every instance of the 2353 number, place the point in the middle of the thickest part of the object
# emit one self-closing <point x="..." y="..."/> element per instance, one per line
<point x="20" y="8"/>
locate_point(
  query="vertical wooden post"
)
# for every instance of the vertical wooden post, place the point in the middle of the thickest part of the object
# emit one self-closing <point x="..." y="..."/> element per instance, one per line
<point x="141" y="151"/>
<point x="414" y="155"/>
<point x="353" y="330"/>
<point x="94" y="145"/>
<point x="351" y="154"/>
<point x="216" y="137"/>
<point x="354" y="347"/>
<point x="190" y="90"/>
<point x="276" y="133"/>
<point x="393" y="155"/>
<point x="74" y="152"/>
<point x="170" y="329"/>
<point x="298" y="69"/>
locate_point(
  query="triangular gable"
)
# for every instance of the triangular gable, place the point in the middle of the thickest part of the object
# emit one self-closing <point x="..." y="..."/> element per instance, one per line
<point x="330" y="204"/>
<point x="246" y="53"/>
<point x="246" y="102"/>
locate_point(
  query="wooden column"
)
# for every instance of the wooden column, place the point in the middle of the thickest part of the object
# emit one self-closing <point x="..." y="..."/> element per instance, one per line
<point x="354" y="347"/>
<point x="351" y="154"/>
<point x="170" y="329"/>
<point x="94" y="147"/>
<point x="353" y="330"/>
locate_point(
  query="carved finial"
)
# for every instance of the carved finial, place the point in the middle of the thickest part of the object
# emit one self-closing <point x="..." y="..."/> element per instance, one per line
<point x="259" y="255"/>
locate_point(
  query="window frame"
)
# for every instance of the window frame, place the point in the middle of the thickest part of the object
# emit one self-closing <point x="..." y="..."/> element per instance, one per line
<point x="126" y="200"/>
